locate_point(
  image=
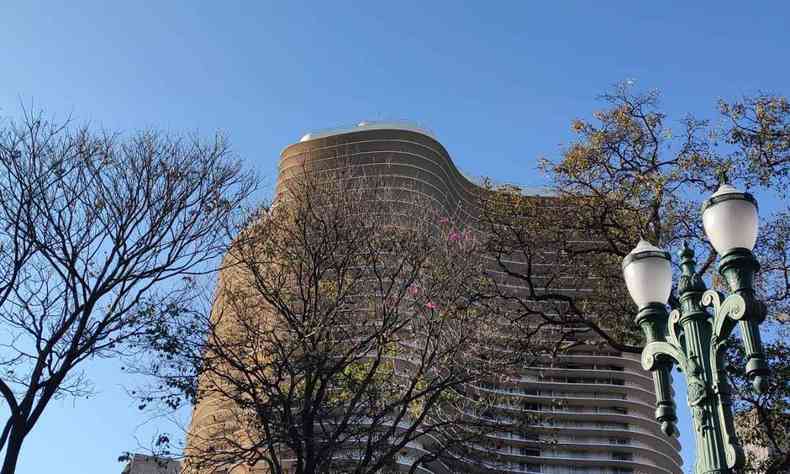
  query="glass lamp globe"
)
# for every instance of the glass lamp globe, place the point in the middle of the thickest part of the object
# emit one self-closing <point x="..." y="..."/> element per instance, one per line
<point x="730" y="219"/>
<point x="648" y="274"/>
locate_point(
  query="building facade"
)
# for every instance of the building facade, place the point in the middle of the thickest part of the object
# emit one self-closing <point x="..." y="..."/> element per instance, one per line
<point x="145" y="464"/>
<point x="601" y="403"/>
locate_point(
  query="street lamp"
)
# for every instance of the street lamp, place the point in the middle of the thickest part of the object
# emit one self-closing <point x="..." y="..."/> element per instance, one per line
<point x="695" y="338"/>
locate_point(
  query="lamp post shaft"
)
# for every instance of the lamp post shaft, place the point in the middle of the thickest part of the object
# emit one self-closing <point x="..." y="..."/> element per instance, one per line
<point x="704" y="384"/>
<point x="704" y="404"/>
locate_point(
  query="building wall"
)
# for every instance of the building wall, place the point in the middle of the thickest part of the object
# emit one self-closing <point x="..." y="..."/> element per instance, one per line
<point x="143" y="464"/>
<point x="605" y="425"/>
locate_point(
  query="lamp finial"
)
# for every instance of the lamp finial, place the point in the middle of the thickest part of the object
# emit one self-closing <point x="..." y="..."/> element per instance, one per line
<point x="723" y="178"/>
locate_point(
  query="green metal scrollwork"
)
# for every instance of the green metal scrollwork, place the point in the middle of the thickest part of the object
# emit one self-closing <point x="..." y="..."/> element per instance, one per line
<point x="725" y="314"/>
<point x="651" y="354"/>
<point x="672" y="332"/>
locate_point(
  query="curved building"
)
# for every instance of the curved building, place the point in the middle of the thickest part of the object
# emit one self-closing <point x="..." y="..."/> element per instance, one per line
<point x="601" y="402"/>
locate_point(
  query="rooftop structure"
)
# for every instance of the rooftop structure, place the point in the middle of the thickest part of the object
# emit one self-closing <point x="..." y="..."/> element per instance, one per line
<point x="144" y="464"/>
<point x="368" y="125"/>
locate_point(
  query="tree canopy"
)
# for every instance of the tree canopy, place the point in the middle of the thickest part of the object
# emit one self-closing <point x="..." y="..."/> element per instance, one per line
<point x="633" y="173"/>
<point x="350" y="329"/>
<point x="96" y="230"/>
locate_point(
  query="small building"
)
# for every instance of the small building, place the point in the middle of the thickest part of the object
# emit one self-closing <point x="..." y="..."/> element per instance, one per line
<point x="144" y="464"/>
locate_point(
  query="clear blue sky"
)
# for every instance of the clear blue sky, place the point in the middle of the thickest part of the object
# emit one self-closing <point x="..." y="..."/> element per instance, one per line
<point x="498" y="82"/>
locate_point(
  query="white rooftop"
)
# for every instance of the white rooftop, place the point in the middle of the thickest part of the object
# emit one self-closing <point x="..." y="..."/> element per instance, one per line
<point x="396" y="125"/>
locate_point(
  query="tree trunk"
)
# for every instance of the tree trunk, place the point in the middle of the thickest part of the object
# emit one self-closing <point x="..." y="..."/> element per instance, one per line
<point x="12" y="450"/>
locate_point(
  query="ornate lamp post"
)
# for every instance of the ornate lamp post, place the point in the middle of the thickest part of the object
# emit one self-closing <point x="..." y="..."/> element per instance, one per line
<point x="693" y="337"/>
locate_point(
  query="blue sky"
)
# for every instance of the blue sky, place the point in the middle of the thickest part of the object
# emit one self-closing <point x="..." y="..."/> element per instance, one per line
<point x="498" y="82"/>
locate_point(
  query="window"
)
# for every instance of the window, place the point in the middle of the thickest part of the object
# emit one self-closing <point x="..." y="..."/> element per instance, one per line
<point x="619" y="441"/>
<point x="529" y="467"/>
<point x="529" y="452"/>
<point x="612" y="425"/>
<point x="620" y="456"/>
<point x="529" y="436"/>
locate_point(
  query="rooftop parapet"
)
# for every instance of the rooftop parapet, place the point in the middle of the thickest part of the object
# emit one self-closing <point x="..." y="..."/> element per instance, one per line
<point x="369" y="125"/>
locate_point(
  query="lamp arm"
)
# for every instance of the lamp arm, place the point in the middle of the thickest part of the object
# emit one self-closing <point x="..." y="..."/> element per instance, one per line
<point x="656" y="352"/>
<point x="756" y="367"/>
<point x="658" y="357"/>
<point x="739" y="266"/>
<point x="721" y="388"/>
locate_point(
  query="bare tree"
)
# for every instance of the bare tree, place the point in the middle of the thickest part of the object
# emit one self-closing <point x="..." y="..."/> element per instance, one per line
<point x="351" y="329"/>
<point x="91" y="227"/>
<point x="629" y="174"/>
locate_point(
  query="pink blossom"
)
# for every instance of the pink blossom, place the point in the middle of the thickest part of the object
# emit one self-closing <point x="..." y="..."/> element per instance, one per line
<point x="444" y="220"/>
<point x="431" y="305"/>
<point x="413" y="290"/>
<point x="454" y="236"/>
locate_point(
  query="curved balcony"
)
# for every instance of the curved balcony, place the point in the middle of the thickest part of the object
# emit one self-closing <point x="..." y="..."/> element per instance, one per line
<point x="548" y="458"/>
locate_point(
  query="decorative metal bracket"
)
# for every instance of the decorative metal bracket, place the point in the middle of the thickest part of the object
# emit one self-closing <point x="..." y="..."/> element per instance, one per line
<point x="654" y="352"/>
<point x="725" y="315"/>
